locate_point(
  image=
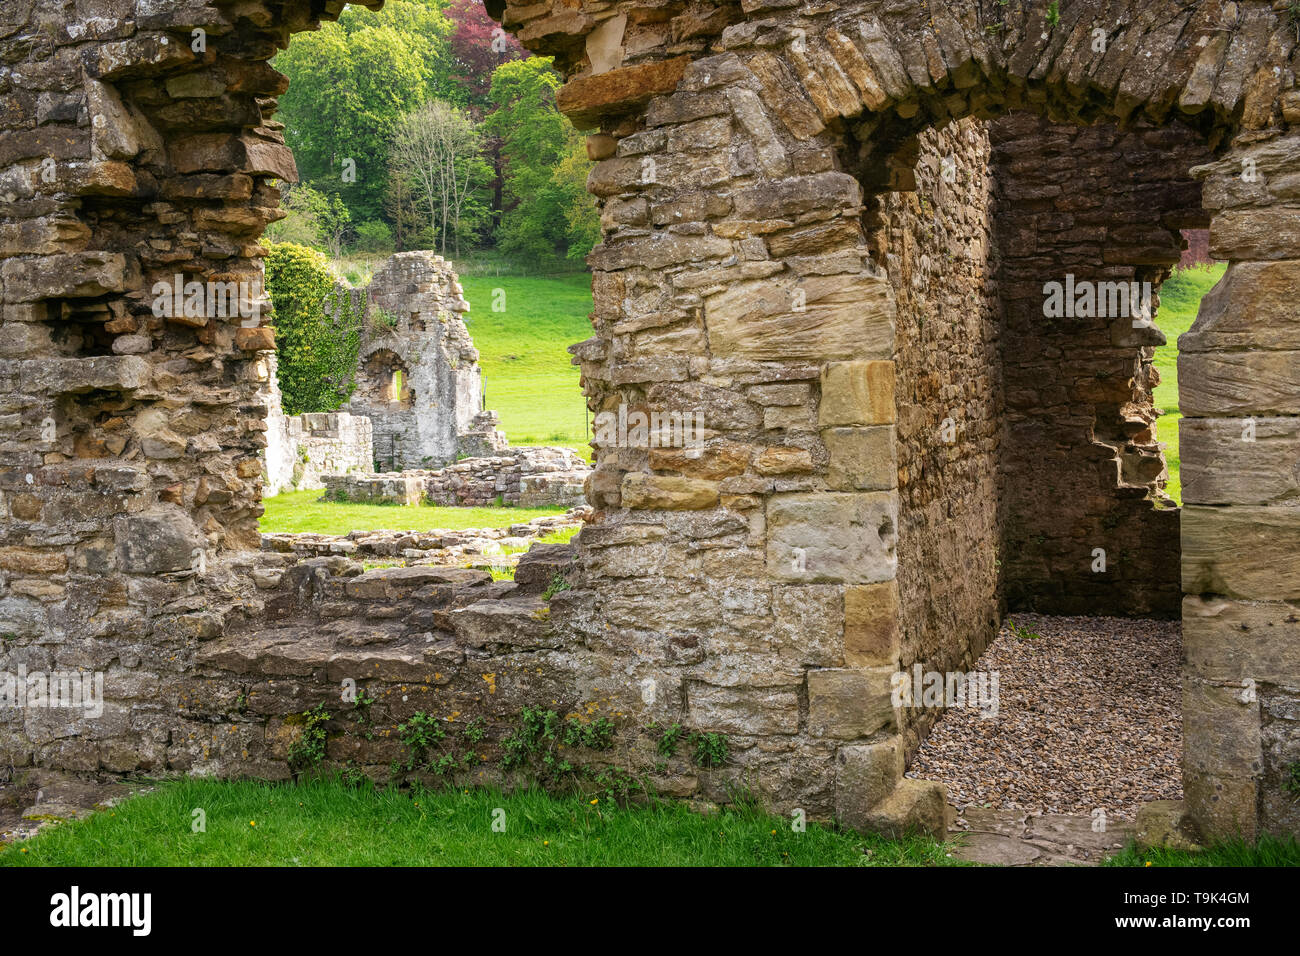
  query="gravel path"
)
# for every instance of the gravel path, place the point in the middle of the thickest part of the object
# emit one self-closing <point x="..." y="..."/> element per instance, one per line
<point x="1089" y="715"/>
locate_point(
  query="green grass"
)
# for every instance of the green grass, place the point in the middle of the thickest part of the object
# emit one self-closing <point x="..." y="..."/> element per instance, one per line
<point x="325" y="823"/>
<point x="1268" y="852"/>
<point x="527" y="375"/>
<point x="304" y="511"/>
<point x="1180" y="297"/>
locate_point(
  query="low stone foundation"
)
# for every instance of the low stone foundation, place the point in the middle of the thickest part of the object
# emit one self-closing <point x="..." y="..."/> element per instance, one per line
<point x="527" y="478"/>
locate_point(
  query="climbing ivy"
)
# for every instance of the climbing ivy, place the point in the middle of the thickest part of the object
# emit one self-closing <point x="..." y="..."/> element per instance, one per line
<point x="318" y="338"/>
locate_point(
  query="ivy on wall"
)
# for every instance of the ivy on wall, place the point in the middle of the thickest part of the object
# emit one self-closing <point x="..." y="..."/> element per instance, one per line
<point x="317" y="330"/>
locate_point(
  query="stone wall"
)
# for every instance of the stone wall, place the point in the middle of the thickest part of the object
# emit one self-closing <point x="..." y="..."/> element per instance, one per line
<point x="934" y="234"/>
<point x="301" y="449"/>
<point x="525" y="478"/>
<point x="1082" y="462"/>
<point x="419" y="382"/>
<point x="742" y="587"/>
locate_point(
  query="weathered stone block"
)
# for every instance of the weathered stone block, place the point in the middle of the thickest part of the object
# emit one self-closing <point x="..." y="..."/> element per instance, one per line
<point x="857" y="393"/>
<point x="832" y="537"/>
<point x="816" y="318"/>
<point x="872" y="636"/>
<point x="810" y="623"/>
<point x="1241" y="551"/>
<point x="1239" y="383"/>
<point x="915" y="806"/>
<point x="848" y="703"/>
<point x="865" y="775"/>
<point x="640" y="490"/>
<point x="1252" y="306"/>
<point x="861" y="459"/>
<point x="1223" y="808"/>
<point x="1240" y="461"/>
<point x="156" y="543"/>
<point x="1234" y="640"/>
<point x="1221" y="730"/>
<point x="734" y="710"/>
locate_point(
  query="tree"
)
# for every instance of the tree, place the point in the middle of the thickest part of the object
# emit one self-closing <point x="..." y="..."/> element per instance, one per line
<point x="346" y="93"/>
<point x="478" y="46"/>
<point x="437" y="148"/>
<point x="581" y="217"/>
<point x="316" y="348"/>
<point x="540" y="214"/>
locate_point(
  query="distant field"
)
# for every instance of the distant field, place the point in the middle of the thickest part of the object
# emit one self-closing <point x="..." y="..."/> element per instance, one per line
<point x="304" y="511"/>
<point x="1180" y="297"/>
<point x="523" y="352"/>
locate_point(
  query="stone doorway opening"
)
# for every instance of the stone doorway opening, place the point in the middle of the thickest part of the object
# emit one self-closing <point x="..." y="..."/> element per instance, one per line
<point x="1037" y="546"/>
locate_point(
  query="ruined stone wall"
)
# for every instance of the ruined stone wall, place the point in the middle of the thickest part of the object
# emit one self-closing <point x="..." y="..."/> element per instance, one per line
<point x="1082" y="461"/>
<point x="301" y="449"/>
<point x="935" y="240"/>
<point x="414" y="330"/>
<point x="745" y="590"/>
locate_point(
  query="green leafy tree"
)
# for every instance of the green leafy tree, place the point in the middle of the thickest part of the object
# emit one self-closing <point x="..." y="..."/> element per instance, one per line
<point x="534" y="140"/>
<point x="318" y="338"/>
<point x="581" y="217"/>
<point x="346" y="93"/>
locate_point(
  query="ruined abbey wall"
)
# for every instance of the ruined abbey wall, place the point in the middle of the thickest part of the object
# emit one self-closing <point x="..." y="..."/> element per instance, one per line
<point x="749" y="587"/>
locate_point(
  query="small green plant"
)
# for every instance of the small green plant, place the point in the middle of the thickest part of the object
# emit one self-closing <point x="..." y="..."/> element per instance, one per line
<point x="542" y="740"/>
<point x="1293" y="13"/>
<point x="669" y="741"/>
<point x="418" y="734"/>
<point x="1022" y="633"/>
<point x="1291" y="782"/>
<point x="309" y="749"/>
<point x="711" y="750"/>
<point x="558" y="583"/>
<point x="1053" y="13"/>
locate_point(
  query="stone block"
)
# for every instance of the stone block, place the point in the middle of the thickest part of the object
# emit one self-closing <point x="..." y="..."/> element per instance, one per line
<point x="1241" y="551"/>
<point x="915" y="807"/>
<point x="809" y="623"/>
<point x="865" y="774"/>
<point x="814" y="318"/>
<point x="861" y="459"/>
<point x="848" y="703"/>
<point x="872" y="636"/>
<point x="857" y="393"/>
<point x="736" y="710"/>
<point x="1236" y="384"/>
<point x="1227" y="640"/>
<point x="640" y="490"/>
<point x="832" y="536"/>
<point x="1221" y="730"/>
<point x="156" y="543"/>
<point x="1240" y="461"/>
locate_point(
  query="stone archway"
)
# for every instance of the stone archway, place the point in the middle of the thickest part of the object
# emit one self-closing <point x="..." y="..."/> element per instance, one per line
<point x="735" y="277"/>
<point x="748" y="587"/>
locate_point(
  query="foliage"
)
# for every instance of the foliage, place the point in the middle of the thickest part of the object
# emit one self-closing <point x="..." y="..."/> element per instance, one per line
<point x="669" y="740"/>
<point x="316" y="348"/>
<point x="308" y="750"/>
<point x="538" y="744"/>
<point x="537" y="144"/>
<point x="711" y="749"/>
<point x="436" y="150"/>
<point x="348" y="89"/>
<point x="478" y="46"/>
<point x="374" y="235"/>
<point x="350" y="822"/>
<point x="558" y="583"/>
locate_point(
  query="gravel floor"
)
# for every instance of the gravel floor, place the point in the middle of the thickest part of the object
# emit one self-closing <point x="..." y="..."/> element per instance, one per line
<point x="1089" y="715"/>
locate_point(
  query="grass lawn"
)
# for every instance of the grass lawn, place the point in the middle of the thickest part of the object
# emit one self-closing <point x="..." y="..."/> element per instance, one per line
<point x="1180" y="297"/>
<point x="1270" y="851"/>
<point x="527" y="377"/>
<point x="303" y="511"/>
<point x="325" y="823"/>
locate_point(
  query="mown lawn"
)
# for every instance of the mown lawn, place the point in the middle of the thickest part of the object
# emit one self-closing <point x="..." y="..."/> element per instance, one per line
<point x="527" y="377"/>
<point x="1268" y="852"/>
<point x="1180" y="297"/>
<point x="304" y="511"/>
<point x="326" y="823"/>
